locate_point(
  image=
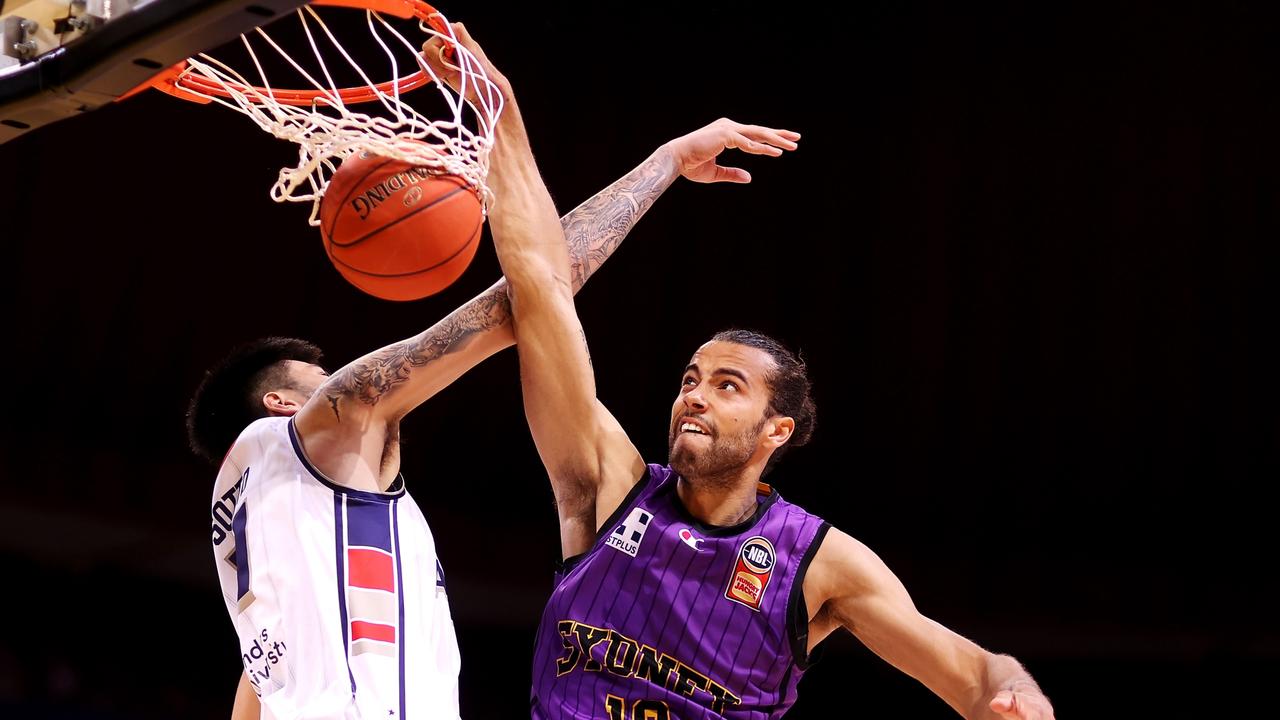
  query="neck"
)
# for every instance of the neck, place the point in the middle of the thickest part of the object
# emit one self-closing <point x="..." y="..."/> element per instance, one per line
<point x="721" y="502"/>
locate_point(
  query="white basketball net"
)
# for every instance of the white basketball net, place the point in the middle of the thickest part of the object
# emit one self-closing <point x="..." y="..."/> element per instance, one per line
<point x="328" y="130"/>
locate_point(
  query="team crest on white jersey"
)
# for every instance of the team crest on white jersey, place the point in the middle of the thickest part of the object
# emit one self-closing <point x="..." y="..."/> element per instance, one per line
<point x="628" y="534"/>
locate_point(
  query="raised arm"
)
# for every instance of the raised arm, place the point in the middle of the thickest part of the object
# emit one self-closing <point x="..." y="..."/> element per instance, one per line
<point x="590" y="461"/>
<point x="558" y="385"/>
<point x="362" y="402"/>
<point x="386" y="382"/>
<point x="852" y="588"/>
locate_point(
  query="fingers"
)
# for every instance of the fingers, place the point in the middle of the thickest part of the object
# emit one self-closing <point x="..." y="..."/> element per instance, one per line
<point x="731" y="174"/>
<point x="755" y="138"/>
<point x="697" y="152"/>
<point x="1005" y="704"/>
<point x="438" y="52"/>
<point x="745" y="144"/>
<point x="458" y="60"/>
<point x="784" y="139"/>
<point x="1012" y="706"/>
<point x="464" y="39"/>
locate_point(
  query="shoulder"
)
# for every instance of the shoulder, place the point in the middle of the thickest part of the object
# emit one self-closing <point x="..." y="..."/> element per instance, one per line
<point x="653" y="478"/>
<point x="261" y="439"/>
<point x="256" y="436"/>
<point x="264" y="430"/>
<point x="842" y="566"/>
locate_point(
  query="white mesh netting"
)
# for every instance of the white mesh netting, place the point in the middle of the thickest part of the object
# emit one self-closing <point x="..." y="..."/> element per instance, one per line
<point x="327" y="129"/>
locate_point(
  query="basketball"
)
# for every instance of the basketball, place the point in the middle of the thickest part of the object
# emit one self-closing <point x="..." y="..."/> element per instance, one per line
<point x="399" y="231"/>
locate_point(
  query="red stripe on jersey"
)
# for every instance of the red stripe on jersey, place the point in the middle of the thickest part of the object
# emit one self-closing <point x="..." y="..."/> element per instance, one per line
<point x="370" y="569"/>
<point x="361" y="630"/>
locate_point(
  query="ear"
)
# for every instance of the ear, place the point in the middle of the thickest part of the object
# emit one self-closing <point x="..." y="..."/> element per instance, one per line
<point x="778" y="431"/>
<point x="279" y="404"/>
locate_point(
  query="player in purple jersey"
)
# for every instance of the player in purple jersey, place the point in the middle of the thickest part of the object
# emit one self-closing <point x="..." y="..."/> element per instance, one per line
<point x="693" y="590"/>
<point x="349" y="422"/>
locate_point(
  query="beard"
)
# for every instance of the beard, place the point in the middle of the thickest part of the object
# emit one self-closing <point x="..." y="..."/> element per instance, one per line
<point x="714" y="466"/>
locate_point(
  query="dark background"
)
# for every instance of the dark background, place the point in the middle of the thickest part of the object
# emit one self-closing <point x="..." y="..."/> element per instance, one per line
<point x="1027" y="249"/>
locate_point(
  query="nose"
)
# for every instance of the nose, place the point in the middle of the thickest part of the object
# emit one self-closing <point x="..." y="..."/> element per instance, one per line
<point x="694" y="400"/>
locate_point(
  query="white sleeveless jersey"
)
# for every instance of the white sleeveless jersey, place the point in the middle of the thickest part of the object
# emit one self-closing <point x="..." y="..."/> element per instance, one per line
<point x="336" y="594"/>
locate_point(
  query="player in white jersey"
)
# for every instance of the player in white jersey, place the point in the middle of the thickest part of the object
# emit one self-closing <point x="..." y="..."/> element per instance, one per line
<point x="316" y="577"/>
<point x="327" y="566"/>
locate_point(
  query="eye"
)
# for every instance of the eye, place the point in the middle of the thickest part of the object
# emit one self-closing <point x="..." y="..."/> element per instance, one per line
<point x="729" y="385"/>
<point x="689" y="380"/>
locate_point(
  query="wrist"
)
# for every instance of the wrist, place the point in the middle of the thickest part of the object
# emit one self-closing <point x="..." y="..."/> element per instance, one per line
<point x="667" y="159"/>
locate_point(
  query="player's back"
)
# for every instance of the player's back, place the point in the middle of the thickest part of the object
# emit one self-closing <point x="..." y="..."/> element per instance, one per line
<point x="337" y="595"/>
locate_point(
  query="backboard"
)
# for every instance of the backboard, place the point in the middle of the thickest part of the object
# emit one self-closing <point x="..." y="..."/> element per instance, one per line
<point x="62" y="58"/>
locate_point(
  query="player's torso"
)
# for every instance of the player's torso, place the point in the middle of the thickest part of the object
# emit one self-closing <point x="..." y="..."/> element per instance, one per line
<point x="664" y="617"/>
<point x="337" y="595"/>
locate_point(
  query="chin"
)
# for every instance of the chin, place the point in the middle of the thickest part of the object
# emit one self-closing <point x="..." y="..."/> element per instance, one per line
<point x="683" y="462"/>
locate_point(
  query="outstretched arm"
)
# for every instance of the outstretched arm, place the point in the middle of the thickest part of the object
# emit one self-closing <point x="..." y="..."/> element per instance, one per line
<point x="590" y="460"/>
<point x="385" y="381"/>
<point x="364" y="399"/>
<point x="852" y="588"/>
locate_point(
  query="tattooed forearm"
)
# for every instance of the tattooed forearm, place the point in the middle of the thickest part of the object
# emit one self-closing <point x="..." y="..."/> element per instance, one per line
<point x="594" y="230"/>
<point x="597" y="227"/>
<point x="374" y="377"/>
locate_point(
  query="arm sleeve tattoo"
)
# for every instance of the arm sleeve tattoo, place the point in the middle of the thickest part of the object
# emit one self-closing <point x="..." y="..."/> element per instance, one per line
<point x="593" y="231"/>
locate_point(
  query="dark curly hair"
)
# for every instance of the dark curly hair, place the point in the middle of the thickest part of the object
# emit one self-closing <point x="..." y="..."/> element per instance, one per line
<point x="788" y="383"/>
<point x="228" y="398"/>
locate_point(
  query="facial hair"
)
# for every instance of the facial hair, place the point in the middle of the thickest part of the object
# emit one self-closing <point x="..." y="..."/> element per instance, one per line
<point x="718" y="465"/>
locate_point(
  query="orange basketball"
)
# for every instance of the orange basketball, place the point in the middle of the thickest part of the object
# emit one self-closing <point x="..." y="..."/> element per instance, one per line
<point x="398" y="231"/>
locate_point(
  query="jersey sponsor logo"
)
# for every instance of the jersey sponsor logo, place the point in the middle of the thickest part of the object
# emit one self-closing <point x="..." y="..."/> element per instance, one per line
<point x="751" y="575"/>
<point x="260" y="658"/>
<point x="627" y="536"/>
<point x="688" y="538"/>
<point x="757" y="554"/>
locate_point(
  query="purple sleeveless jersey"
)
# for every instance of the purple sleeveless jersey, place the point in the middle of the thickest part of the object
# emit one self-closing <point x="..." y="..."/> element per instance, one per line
<point x="665" y="617"/>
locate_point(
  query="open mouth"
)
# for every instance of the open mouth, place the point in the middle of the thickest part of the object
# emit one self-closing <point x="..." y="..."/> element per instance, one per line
<point x="688" y="427"/>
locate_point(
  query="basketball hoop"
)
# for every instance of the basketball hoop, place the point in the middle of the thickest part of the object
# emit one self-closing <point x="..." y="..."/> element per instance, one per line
<point x="323" y="125"/>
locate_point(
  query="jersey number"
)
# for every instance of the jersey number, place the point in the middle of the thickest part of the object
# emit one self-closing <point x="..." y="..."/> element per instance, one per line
<point x="640" y="709"/>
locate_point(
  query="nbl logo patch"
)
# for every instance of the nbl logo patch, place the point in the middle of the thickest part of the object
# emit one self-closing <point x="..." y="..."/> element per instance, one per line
<point x="628" y="534"/>
<point x="751" y="574"/>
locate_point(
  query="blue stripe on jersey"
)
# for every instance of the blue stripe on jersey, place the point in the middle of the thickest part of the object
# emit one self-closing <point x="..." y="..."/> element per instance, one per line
<point x="368" y="523"/>
<point x="400" y="636"/>
<point x="340" y="553"/>
<point x="242" y="548"/>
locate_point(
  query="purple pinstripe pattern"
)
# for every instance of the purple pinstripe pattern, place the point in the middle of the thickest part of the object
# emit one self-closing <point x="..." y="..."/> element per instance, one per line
<point x="731" y="660"/>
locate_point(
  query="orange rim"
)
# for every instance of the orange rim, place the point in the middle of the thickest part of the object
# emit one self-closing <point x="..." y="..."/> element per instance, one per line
<point x="176" y="81"/>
